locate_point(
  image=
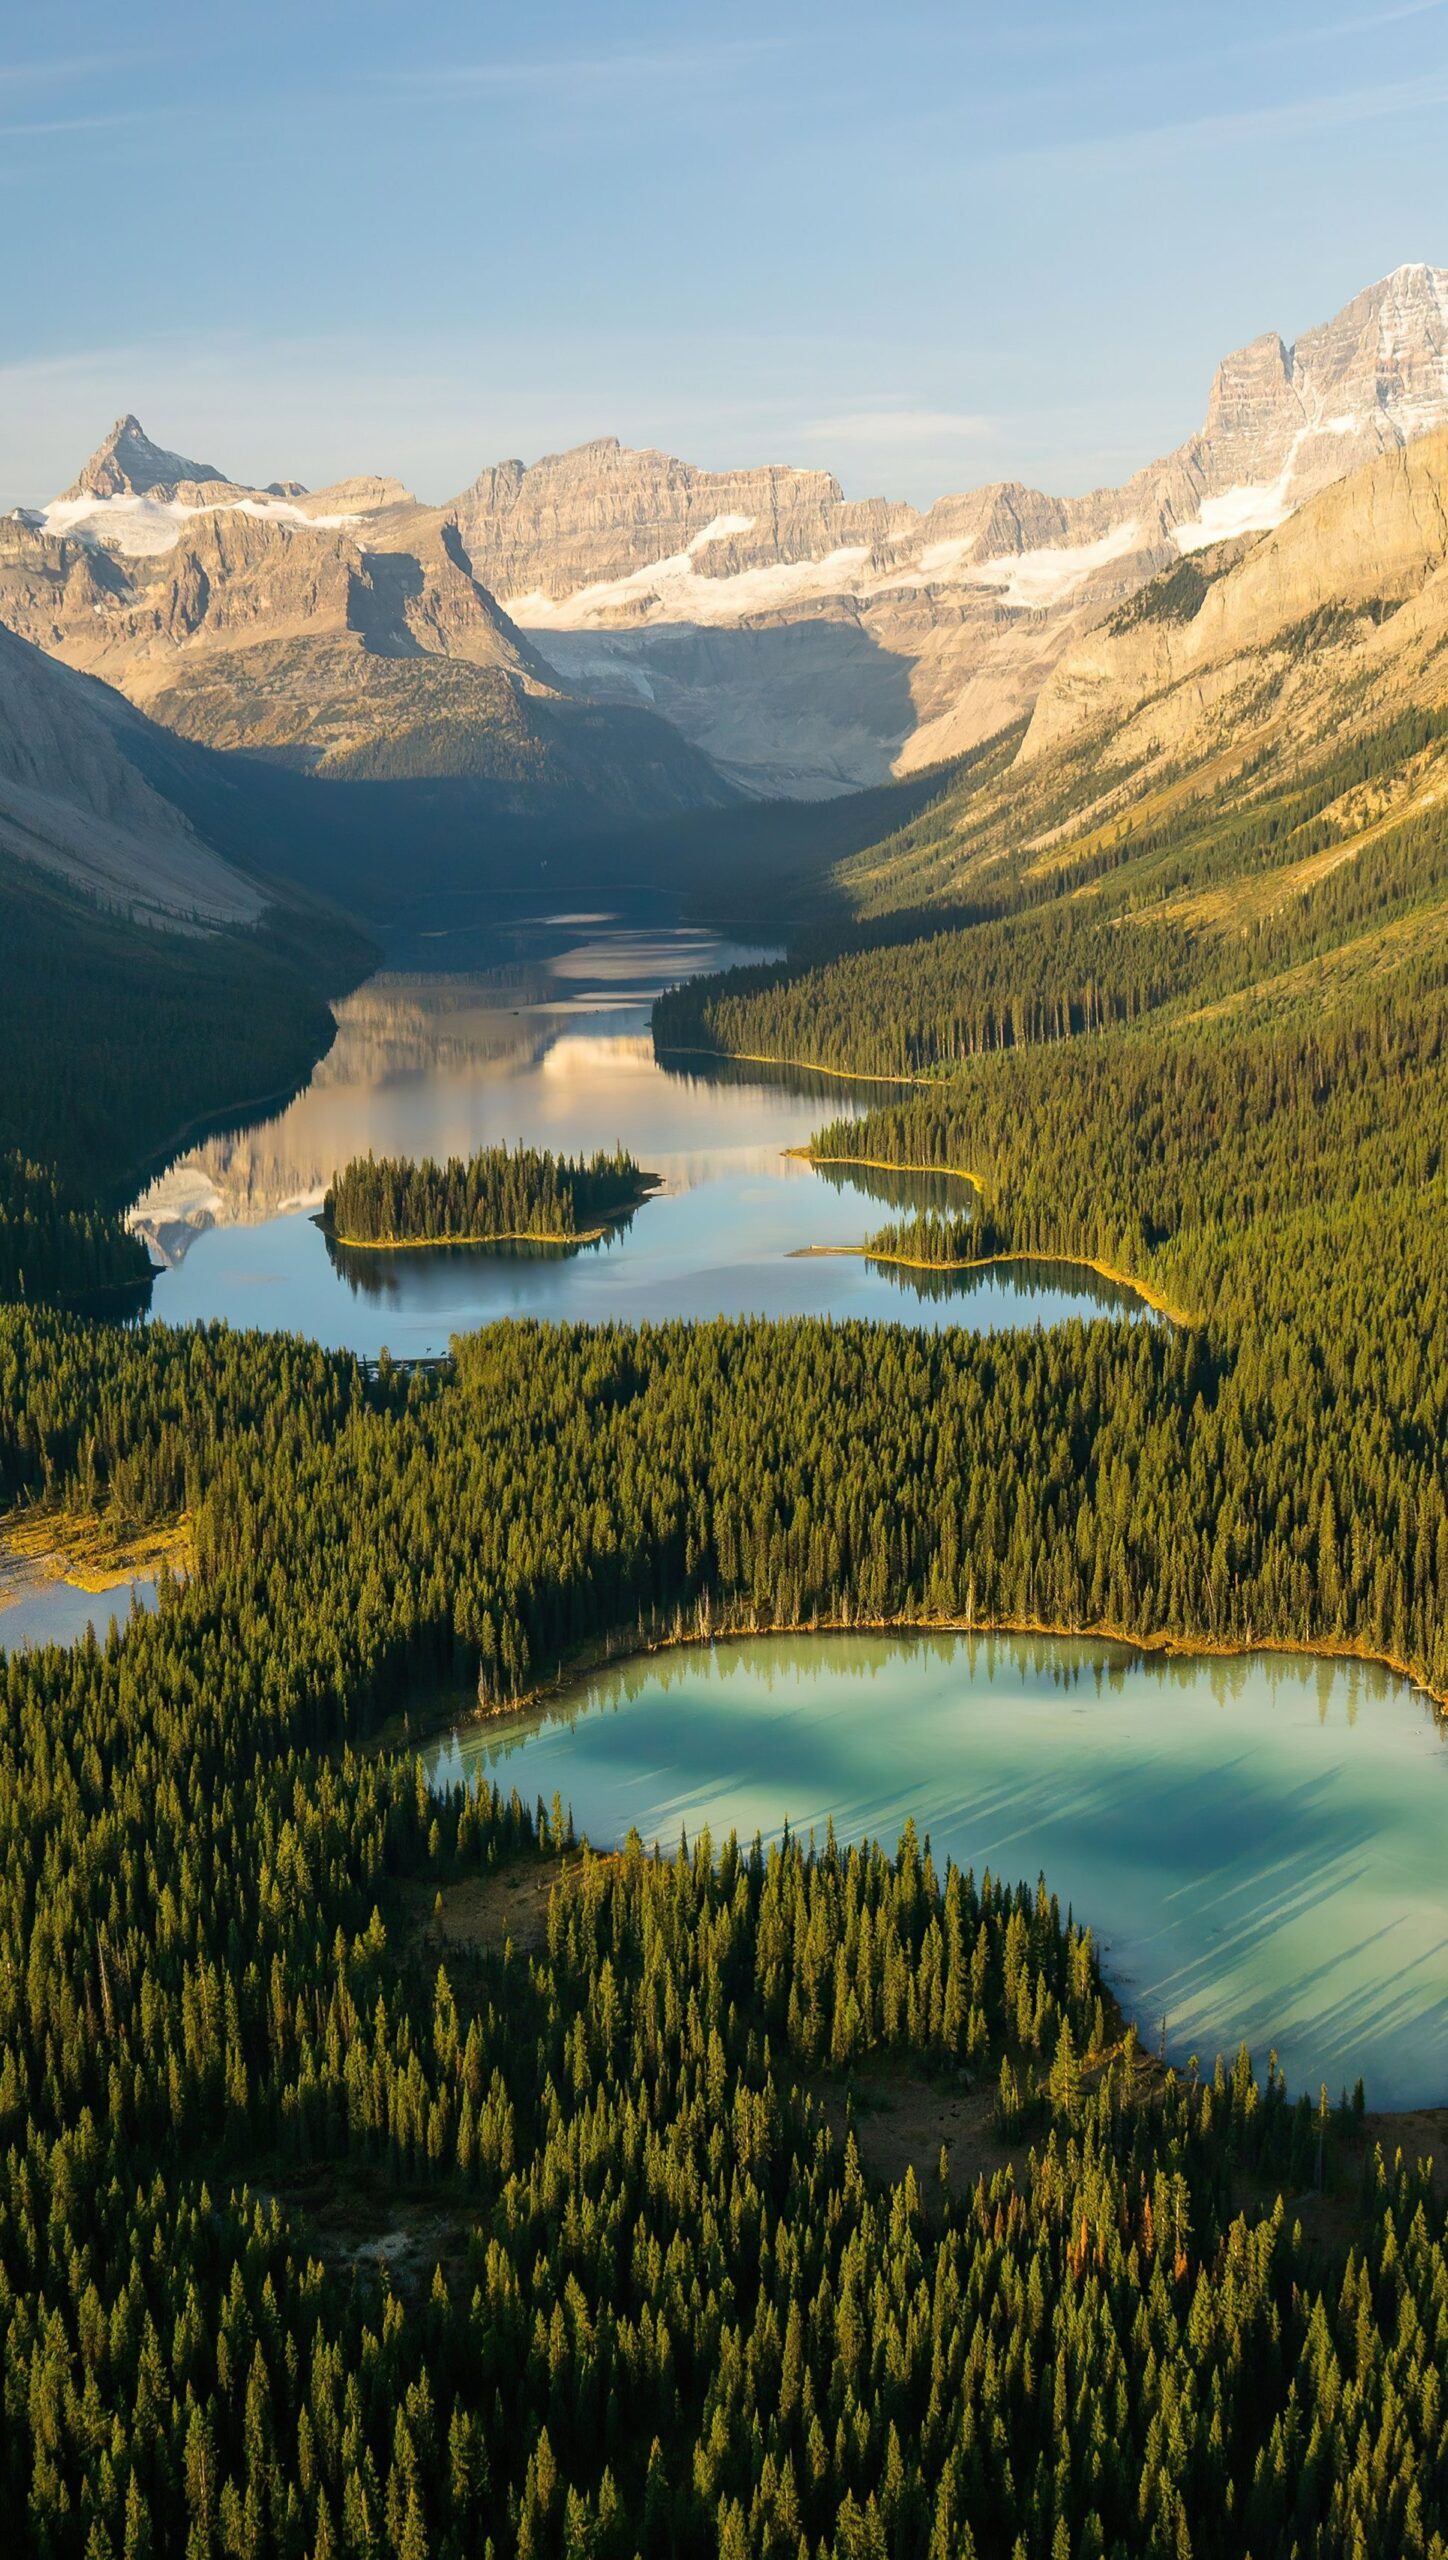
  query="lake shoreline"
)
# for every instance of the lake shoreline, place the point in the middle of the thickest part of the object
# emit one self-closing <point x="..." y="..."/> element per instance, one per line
<point x="82" y="1550"/>
<point x="882" y="1164"/>
<point x="608" y="1653"/>
<point x="988" y="1261"/>
<point x="800" y="1066"/>
<point x="551" y="1743"/>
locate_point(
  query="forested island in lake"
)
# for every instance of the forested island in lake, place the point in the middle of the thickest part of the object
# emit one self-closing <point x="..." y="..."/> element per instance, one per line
<point x="501" y="1195"/>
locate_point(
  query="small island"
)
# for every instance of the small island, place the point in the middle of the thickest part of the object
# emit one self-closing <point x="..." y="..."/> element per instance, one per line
<point x="501" y="1196"/>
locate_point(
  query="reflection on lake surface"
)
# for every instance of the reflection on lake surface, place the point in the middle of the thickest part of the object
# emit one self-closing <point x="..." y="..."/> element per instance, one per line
<point x="548" y="1046"/>
<point x="1257" y="1843"/>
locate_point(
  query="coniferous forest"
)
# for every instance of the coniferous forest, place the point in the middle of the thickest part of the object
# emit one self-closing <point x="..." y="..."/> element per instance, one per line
<point x="500" y="1194"/>
<point x="660" y="2307"/>
<point x="382" y="2171"/>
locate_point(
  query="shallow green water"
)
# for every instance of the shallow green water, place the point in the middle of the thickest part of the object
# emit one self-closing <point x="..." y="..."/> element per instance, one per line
<point x="1257" y="1844"/>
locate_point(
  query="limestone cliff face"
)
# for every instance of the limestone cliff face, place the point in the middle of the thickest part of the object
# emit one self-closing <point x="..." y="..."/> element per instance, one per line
<point x="232" y="577"/>
<point x="803" y="641"/>
<point x="1334" y="621"/>
<point x="602" y="513"/>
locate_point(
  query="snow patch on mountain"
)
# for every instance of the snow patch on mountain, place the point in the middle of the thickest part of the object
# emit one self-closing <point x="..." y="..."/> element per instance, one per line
<point x="145" y="526"/>
<point x="1031" y="580"/>
<point x="672" y="590"/>
<point x="720" y="529"/>
<point x="1262" y="508"/>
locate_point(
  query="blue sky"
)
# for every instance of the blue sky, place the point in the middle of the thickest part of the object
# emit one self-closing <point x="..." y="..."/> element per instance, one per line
<point x="926" y="245"/>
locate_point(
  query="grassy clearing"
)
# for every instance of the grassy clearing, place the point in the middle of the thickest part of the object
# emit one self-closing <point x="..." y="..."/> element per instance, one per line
<point x="91" y="1550"/>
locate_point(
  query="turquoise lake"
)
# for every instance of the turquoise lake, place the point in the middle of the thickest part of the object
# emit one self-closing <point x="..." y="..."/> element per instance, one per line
<point x="1257" y="1843"/>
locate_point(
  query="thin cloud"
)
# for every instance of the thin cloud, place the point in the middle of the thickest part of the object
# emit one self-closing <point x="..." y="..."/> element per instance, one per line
<point x="895" y="426"/>
<point x="1367" y="25"/>
<point x="75" y="124"/>
<point x="62" y="67"/>
<point x="1283" y="120"/>
<point x="584" y="73"/>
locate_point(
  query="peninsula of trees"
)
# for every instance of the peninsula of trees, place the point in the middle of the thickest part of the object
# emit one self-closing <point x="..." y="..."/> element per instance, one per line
<point x="930" y="1243"/>
<point x="502" y="1195"/>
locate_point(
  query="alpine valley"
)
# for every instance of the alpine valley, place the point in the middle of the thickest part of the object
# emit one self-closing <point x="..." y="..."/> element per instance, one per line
<point x="724" y="1496"/>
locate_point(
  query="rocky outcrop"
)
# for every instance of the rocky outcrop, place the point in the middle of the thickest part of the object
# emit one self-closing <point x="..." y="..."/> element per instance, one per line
<point x="1335" y="620"/>
<point x="129" y="465"/>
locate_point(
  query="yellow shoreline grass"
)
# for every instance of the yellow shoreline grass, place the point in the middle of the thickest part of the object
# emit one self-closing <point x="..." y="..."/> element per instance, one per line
<point x="88" y="1551"/>
<point x="881" y="1164"/>
<point x="1074" y="1261"/>
<point x="433" y="1244"/>
<point x="804" y="1066"/>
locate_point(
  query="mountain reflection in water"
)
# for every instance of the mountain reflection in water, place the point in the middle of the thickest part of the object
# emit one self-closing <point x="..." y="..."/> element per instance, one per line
<point x="550" y="1046"/>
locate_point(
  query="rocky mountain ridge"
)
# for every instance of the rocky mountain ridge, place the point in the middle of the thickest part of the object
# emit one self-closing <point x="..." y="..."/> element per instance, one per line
<point x="1231" y="686"/>
<point x="804" y="642"/>
<point x="813" y="639"/>
<point x="1344" y="604"/>
<point x="341" y="631"/>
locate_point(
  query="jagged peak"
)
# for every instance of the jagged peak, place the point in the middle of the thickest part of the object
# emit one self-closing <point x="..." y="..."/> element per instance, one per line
<point x="128" y="465"/>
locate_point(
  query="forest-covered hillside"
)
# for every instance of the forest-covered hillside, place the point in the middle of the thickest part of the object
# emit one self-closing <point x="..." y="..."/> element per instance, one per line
<point x="116" y="1038"/>
<point x="344" y="2211"/>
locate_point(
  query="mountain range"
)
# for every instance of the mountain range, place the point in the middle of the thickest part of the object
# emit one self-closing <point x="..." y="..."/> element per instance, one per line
<point x="1259" y="736"/>
<point x="617" y="634"/>
<point x="340" y="632"/>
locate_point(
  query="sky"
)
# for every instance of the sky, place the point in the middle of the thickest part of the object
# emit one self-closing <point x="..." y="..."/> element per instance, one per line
<point x="921" y="245"/>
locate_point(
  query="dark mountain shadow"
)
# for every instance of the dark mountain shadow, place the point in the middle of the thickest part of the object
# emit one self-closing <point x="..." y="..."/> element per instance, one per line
<point x="809" y="707"/>
<point x="374" y="848"/>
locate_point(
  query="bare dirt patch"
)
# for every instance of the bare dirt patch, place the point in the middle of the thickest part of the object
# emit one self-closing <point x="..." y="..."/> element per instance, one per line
<point x="353" y="2218"/>
<point x="479" y="1914"/>
<point x="901" y="2121"/>
<point x="89" y="1549"/>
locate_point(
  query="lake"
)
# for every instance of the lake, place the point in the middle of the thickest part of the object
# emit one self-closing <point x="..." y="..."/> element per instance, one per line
<point x="45" y="1609"/>
<point x="1257" y="1843"/>
<point x="534" y="1030"/>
